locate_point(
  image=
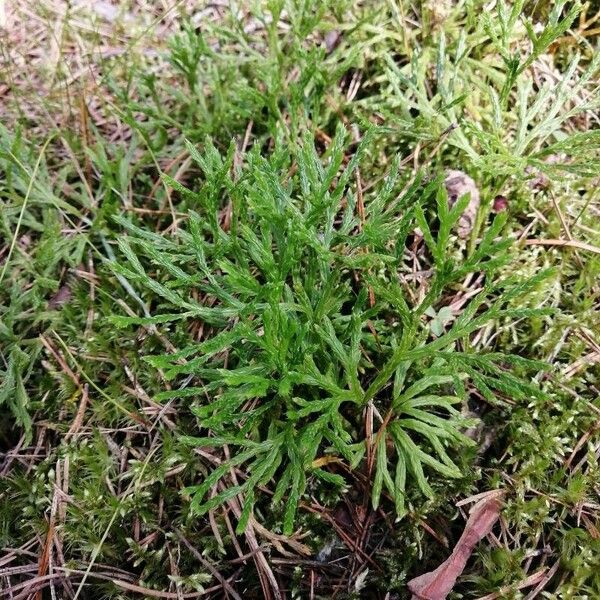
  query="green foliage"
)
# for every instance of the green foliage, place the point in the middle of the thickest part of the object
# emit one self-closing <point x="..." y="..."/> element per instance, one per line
<point x="12" y="389"/>
<point x="275" y="343"/>
<point x="516" y="129"/>
<point x="24" y="288"/>
<point x="297" y="352"/>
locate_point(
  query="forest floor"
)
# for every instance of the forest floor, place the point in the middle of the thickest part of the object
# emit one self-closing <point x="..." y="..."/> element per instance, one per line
<point x="287" y="287"/>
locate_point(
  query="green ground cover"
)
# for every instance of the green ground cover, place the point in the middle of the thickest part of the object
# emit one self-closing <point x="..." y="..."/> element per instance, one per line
<point x="283" y="283"/>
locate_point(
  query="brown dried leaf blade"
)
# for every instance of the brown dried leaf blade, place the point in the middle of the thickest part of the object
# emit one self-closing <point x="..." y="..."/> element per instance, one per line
<point x="437" y="584"/>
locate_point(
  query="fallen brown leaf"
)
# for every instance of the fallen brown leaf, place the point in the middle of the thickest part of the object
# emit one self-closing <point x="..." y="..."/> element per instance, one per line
<point x="437" y="584"/>
<point x="457" y="185"/>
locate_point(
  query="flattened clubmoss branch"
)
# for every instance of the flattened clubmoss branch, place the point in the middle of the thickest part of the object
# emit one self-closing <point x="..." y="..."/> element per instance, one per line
<point x="285" y="292"/>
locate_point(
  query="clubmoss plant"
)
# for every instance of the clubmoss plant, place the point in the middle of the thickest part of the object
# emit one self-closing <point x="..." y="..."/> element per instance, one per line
<point x="308" y="327"/>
